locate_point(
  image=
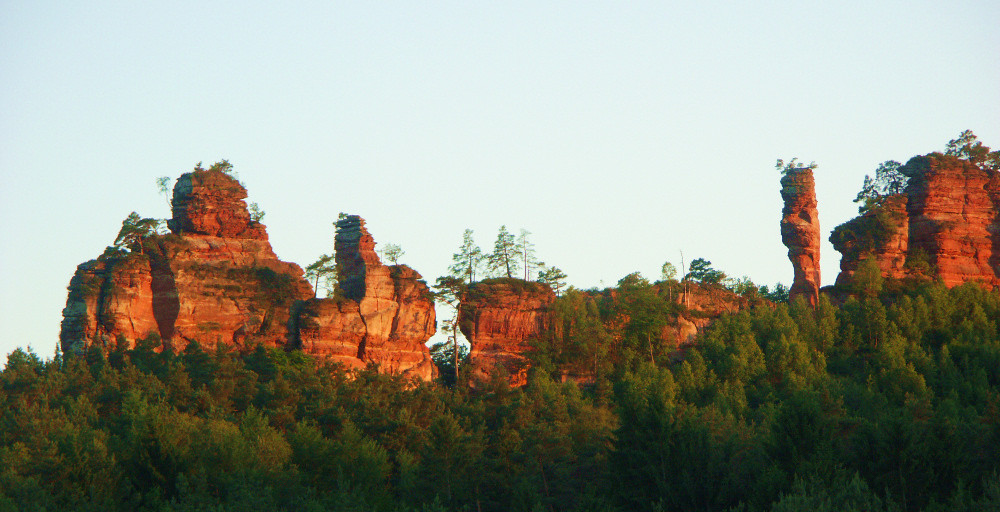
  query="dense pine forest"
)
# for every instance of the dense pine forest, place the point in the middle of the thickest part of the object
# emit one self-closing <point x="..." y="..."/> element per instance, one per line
<point x="884" y="399"/>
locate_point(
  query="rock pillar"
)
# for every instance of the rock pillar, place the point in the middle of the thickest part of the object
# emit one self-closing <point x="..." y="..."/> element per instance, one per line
<point x="800" y="232"/>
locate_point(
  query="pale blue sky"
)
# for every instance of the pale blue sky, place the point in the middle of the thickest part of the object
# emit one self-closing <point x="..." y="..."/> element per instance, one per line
<point x="618" y="133"/>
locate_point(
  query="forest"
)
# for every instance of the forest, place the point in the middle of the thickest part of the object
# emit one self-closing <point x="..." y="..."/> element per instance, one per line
<point x="884" y="395"/>
<point x="886" y="400"/>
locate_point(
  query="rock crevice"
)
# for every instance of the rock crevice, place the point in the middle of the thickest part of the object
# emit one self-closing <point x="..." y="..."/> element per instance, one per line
<point x="385" y="315"/>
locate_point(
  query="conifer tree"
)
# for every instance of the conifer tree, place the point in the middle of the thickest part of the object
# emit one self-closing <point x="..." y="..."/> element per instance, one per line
<point x="468" y="260"/>
<point x="503" y="260"/>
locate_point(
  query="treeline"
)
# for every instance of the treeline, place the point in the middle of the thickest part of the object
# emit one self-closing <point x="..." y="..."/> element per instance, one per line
<point x="888" y="401"/>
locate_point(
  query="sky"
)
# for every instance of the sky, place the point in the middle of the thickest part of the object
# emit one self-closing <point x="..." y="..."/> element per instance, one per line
<point x="620" y="134"/>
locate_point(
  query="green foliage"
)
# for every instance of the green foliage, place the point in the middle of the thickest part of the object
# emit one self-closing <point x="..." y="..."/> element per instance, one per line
<point x="668" y="272"/>
<point x="864" y="234"/>
<point x="779" y="294"/>
<point x="552" y="276"/>
<point x="468" y="260"/>
<point x="701" y="271"/>
<point x="889" y="401"/>
<point x="503" y="261"/>
<point x="968" y="147"/>
<point x="867" y="279"/>
<point x="162" y="184"/>
<point x="324" y="270"/>
<point x="444" y="357"/>
<point x="134" y="232"/>
<point x="888" y="181"/>
<point x="269" y="288"/>
<point x="792" y="166"/>
<point x="393" y="252"/>
<point x="256" y="214"/>
<point x="222" y="166"/>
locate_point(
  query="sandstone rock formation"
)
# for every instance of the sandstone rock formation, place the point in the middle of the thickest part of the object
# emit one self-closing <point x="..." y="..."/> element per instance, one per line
<point x="945" y="224"/>
<point x="882" y="233"/>
<point x="800" y="232"/>
<point x="704" y="303"/>
<point x="499" y="317"/>
<point x="215" y="279"/>
<point x="385" y="315"/>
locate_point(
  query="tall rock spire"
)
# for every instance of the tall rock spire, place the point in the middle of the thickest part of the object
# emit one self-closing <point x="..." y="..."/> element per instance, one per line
<point x="800" y="232"/>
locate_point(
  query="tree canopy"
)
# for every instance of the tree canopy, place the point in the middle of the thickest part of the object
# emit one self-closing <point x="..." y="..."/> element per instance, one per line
<point x="135" y="230"/>
<point x="701" y="271"/>
<point x="888" y="181"/>
<point x="968" y="146"/>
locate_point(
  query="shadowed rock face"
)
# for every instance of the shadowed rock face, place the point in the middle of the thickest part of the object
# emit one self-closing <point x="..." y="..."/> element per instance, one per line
<point x="800" y="232"/>
<point x="215" y="279"/>
<point x="946" y="224"/>
<point x="385" y="316"/>
<point x="499" y="317"/>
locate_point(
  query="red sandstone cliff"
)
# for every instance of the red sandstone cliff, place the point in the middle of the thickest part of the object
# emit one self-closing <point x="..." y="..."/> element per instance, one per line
<point x="499" y="317"/>
<point x="800" y="232"/>
<point x="945" y="224"/>
<point x="385" y="316"/>
<point x="215" y="279"/>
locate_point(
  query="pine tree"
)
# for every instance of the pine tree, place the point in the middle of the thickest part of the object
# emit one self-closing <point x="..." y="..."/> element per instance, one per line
<point x="468" y="260"/>
<point x="503" y="260"/>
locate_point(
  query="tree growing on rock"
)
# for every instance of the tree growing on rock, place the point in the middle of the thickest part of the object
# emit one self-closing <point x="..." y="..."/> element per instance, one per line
<point x="135" y="230"/>
<point x="503" y="260"/>
<point x="526" y="249"/>
<point x="393" y="252"/>
<point x="792" y="165"/>
<point x="256" y="214"/>
<point x="668" y="272"/>
<point x="162" y="184"/>
<point x="553" y="277"/>
<point x="450" y="290"/>
<point x="888" y="181"/>
<point x="468" y="260"/>
<point x="701" y="270"/>
<point x="322" y="269"/>
<point x="968" y="147"/>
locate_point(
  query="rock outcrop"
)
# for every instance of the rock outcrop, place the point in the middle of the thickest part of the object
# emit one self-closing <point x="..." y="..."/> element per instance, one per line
<point x="800" y="232"/>
<point x="704" y="303"/>
<point x="882" y="233"/>
<point x="215" y="279"/>
<point x="384" y="316"/>
<point x="499" y="317"/>
<point x="945" y="224"/>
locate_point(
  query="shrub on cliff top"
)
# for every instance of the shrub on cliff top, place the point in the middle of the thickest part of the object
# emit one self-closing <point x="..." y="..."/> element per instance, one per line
<point x="864" y="234"/>
<point x="792" y="166"/>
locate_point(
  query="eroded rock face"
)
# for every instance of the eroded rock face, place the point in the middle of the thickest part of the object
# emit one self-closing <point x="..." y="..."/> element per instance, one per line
<point x="214" y="280"/>
<point x="882" y="233"/>
<point x="385" y="316"/>
<point x="946" y="224"/>
<point x="499" y="317"/>
<point x="800" y="232"/>
<point x="954" y="217"/>
<point x="210" y="203"/>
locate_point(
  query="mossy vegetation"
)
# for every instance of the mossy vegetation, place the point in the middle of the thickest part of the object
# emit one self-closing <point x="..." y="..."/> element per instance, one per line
<point x="865" y="234"/>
